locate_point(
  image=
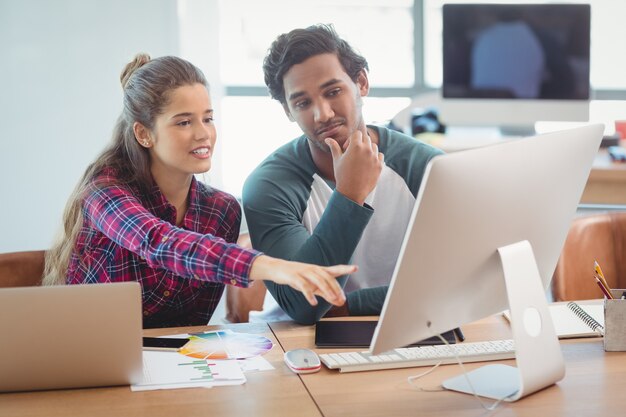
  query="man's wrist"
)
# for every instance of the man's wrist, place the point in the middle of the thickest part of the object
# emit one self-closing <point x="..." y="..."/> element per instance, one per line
<point x="355" y="199"/>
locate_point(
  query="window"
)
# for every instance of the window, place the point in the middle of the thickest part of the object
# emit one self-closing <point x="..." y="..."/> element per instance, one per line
<point x="253" y="125"/>
<point x="382" y="30"/>
<point x="404" y="59"/>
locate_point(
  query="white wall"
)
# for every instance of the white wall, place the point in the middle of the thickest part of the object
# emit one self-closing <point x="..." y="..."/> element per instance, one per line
<point x="60" y="96"/>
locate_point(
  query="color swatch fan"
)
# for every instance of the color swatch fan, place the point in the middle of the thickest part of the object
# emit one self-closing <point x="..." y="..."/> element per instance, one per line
<point x="225" y="344"/>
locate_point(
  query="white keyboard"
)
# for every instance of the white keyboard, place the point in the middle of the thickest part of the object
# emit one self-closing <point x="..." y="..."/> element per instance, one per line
<point x="420" y="356"/>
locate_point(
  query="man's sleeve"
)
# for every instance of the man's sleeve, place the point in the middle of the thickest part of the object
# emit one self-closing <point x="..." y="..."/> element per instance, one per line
<point x="273" y="210"/>
<point x="367" y="301"/>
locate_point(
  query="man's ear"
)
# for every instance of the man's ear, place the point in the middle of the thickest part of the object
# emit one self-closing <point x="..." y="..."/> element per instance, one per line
<point x="363" y="83"/>
<point x="142" y="135"/>
<point x="288" y="113"/>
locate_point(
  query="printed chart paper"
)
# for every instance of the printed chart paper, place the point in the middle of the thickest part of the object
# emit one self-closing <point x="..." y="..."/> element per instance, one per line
<point x="225" y="344"/>
<point x="167" y="370"/>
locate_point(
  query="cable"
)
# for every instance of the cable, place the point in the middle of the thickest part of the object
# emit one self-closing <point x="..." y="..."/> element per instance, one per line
<point x="467" y="379"/>
<point x="414" y="377"/>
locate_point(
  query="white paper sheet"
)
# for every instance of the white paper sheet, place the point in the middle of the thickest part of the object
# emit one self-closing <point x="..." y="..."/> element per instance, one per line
<point x="168" y="370"/>
<point x="256" y="363"/>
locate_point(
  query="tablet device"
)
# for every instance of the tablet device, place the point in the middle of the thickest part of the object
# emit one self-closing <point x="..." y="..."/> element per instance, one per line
<point x="358" y="334"/>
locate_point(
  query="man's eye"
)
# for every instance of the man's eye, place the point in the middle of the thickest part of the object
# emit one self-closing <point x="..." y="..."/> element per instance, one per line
<point x="184" y="123"/>
<point x="301" y="104"/>
<point x="334" y="92"/>
<point x="208" y="120"/>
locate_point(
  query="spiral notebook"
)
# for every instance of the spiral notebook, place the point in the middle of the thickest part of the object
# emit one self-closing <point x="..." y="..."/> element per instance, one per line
<point x="575" y="319"/>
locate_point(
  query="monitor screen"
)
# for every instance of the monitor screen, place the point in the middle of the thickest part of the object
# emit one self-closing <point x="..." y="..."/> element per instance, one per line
<point x="515" y="55"/>
<point x="470" y="204"/>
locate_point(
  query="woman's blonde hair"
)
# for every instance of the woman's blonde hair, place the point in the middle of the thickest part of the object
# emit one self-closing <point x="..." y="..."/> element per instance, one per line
<point x="146" y="83"/>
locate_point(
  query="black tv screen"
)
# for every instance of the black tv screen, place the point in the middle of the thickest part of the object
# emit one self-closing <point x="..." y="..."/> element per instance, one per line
<point x="516" y="51"/>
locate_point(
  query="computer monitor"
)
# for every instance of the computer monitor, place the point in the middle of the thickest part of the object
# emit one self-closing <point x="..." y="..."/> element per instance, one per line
<point x="471" y="207"/>
<point x="511" y="65"/>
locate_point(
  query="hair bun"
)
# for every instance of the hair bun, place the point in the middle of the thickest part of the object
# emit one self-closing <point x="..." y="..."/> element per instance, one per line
<point x="137" y="62"/>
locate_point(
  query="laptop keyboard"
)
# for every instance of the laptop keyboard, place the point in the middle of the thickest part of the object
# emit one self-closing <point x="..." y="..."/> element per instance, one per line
<point x="420" y="356"/>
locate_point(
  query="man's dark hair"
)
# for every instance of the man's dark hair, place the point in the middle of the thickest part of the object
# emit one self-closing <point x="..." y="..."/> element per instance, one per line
<point x="298" y="45"/>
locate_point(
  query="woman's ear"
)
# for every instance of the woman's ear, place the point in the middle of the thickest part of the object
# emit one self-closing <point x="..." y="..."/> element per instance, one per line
<point x="142" y="135"/>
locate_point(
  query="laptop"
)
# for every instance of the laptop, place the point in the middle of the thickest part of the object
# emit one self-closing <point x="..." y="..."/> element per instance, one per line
<point x="70" y="336"/>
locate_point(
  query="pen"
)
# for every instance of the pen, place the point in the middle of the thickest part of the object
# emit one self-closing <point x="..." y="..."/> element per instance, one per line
<point x="596" y="267"/>
<point x="459" y="334"/>
<point x="606" y="292"/>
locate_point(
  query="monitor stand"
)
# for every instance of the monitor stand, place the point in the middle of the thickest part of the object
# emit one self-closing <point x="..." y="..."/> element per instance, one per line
<point x="537" y="350"/>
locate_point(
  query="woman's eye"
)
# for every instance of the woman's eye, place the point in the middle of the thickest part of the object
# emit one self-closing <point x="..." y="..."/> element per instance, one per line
<point x="184" y="123"/>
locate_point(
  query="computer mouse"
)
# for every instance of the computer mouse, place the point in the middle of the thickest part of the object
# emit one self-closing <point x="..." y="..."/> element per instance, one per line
<point x="303" y="361"/>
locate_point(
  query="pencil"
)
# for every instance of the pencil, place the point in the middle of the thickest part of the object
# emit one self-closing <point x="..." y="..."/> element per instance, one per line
<point x="596" y="267"/>
<point x="604" y="290"/>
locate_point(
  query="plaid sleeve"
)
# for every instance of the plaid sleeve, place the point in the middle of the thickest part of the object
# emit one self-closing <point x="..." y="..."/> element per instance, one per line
<point x="232" y="221"/>
<point x="117" y="213"/>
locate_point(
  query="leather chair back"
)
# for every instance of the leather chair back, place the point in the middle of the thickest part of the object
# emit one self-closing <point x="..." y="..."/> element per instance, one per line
<point x="21" y="269"/>
<point x="600" y="237"/>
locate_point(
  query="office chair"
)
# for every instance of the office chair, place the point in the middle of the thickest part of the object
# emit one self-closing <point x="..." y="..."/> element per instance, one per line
<point x="600" y="237"/>
<point x="21" y="269"/>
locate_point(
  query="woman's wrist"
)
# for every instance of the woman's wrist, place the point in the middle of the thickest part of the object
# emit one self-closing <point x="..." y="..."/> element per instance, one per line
<point x="261" y="267"/>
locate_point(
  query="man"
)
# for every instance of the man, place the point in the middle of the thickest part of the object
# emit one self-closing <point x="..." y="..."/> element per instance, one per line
<point x="330" y="196"/>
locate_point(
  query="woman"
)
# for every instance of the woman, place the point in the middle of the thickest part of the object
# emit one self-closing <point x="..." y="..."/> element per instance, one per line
<point x="139" y="213"/>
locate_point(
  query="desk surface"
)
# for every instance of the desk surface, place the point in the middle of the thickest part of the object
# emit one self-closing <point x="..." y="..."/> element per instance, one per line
<point x="277" y="392"/>
<point x="594" y="384"/>
<point x="606" y="183"/>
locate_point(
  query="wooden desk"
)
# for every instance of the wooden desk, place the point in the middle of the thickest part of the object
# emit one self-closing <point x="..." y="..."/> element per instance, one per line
<point x="594" y="384"/>
<point x="278" y="392"/>
<point x="607" y="181"/>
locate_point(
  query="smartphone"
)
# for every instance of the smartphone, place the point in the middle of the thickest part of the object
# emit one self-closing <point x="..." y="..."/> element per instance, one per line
<point x="163" y="343"/>
<point x="358" y="334"/>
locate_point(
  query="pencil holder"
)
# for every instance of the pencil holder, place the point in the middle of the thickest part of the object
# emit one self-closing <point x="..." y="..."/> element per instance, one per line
<point x="615" y="322"/>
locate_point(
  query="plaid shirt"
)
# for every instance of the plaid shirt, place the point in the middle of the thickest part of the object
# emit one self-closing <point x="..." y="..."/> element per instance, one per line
<point x="182" y="270"/>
